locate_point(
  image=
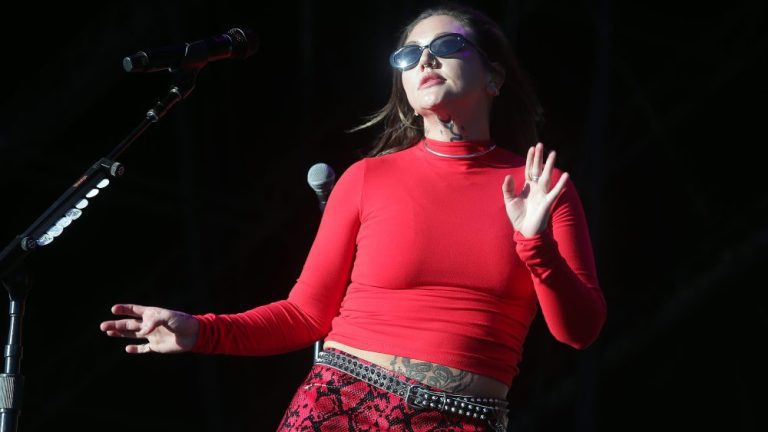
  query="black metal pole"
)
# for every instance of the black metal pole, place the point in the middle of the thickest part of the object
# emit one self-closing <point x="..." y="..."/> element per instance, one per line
<point x="12" y="256"/>
<point x="11" y="380"/>
<point x="177" y="92"/>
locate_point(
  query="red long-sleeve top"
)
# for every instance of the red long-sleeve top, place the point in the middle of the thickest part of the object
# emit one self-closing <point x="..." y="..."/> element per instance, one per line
<point x="415" y="257"/>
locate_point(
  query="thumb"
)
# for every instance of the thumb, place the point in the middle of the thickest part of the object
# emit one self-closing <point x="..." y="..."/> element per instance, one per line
<point x="147" y="326"/>
<point x="508" y="188"/>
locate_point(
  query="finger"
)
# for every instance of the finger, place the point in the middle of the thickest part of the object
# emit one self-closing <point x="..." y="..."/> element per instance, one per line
<point x="549" y="165"/>
<point x="133" y="310"/>
<point x="559" y="187"/>
<point x="508" y="188"/>
<point x="138" y="349"/>
<point x="529" y="162"/>
<point x="121" y="325"/>
<point x="122" y="334"/>
<point x="537" y="156"/>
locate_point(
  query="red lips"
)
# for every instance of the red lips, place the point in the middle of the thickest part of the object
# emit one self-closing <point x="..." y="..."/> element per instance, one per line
<point x="429" y="79"/>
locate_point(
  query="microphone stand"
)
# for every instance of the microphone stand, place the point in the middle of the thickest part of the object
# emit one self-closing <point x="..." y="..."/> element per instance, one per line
<point x="323" y="198"/>
<point x="319" y="343"/>
<point x="50" y="225"/>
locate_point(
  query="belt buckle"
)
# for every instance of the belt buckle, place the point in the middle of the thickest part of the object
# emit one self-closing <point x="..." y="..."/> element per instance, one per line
<point x="422" y="396"/>
<point x="414" y="396"/>
<point x="411" y="393"/>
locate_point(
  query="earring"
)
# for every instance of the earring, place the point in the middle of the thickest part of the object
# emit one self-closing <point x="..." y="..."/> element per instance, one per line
<point x="415" y="114"/>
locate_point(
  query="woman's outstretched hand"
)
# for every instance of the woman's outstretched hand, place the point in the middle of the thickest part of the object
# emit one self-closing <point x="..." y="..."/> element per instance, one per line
<point x="529" y="210"/>
<point x="166" y="331"/>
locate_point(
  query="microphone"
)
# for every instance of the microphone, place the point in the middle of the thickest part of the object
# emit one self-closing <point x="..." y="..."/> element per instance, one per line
<point x="237" y="43"/>
<point x="321" y="179"/>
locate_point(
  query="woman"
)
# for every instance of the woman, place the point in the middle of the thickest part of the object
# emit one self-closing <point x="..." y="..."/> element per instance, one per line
<point x="430" y="259"/>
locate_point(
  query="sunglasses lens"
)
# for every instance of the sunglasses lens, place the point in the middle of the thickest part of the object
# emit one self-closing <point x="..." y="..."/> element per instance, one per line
<point x="406" y="57"/>
<point x="446" y="45"/>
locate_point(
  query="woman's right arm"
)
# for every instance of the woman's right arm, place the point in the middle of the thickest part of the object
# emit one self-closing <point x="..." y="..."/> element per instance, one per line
<point x="285" y="325"/>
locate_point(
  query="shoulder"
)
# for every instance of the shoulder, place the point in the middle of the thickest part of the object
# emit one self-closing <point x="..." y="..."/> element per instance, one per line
<point x="370" y="165"/>
<point x="389" y="162"/>
<point x="355" y="173"/>
<point x="508" y="158"/>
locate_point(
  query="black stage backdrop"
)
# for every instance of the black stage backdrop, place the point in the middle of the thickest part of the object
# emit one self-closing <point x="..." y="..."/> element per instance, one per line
<point x="656" y="109"/>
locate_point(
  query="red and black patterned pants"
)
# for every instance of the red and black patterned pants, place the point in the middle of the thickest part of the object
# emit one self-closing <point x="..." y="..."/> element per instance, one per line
<point x="330" y="400"/>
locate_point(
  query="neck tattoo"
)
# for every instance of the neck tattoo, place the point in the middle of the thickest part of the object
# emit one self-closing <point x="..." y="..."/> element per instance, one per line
<point x="450" y="125"/>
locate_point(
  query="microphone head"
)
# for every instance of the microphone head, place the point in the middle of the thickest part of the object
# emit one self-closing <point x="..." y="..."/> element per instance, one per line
<point x="321" y="178"/>
<point x="244" y="42"/>
<point x="136" y="62"/>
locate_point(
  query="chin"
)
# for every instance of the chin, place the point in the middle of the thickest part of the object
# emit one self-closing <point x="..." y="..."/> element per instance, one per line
<point x="439" y="106"/>
<point x="432" y="103"/>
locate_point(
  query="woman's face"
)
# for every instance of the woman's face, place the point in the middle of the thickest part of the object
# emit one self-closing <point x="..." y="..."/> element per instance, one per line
<point x="444" y="84"/>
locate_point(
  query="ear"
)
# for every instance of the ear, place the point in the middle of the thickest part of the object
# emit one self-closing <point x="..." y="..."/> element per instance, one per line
<point x="496" y="74"/>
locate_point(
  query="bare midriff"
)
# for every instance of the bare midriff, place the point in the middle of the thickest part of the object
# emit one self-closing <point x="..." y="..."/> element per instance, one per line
<point x="448" y="379"/>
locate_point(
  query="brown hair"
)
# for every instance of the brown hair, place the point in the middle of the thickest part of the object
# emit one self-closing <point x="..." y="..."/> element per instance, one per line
<point x="516" y="112"/>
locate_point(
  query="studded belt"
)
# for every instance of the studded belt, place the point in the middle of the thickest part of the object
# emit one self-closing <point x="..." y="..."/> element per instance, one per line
<point x="491" y="410"/>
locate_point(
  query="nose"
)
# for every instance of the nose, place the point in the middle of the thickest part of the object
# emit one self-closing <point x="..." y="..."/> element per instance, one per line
<point x="427" y="59"/>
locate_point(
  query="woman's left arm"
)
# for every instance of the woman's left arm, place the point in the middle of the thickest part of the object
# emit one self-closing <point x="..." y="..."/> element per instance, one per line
<point x="557" y="250"/>
<point x="562" y="267"/>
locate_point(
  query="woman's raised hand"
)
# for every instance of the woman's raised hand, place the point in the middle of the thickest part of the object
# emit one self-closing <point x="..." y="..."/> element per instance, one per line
<point x="166" y="331"/>
<point x="529" y="210"/>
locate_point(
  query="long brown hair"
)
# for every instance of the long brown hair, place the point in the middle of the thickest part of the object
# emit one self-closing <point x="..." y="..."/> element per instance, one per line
<point x="516" y="112"/>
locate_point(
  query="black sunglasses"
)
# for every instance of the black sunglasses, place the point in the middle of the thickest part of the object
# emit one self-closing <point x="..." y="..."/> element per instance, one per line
<point x="407" y="56"/>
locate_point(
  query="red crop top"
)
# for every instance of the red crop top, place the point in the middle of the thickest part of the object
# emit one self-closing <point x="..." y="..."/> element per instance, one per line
<point x="415" y="257"/>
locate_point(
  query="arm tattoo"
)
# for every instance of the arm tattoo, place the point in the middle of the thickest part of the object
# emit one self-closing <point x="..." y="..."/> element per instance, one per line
<point x="450" y="125"/>
<point x="442" y="377"/>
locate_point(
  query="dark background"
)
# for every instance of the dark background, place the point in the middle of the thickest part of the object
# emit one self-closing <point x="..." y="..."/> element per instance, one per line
<point x="656" y="110"/>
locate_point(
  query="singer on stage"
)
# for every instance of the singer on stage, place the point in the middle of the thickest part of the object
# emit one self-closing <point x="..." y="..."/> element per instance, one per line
<point x="433" y="255"/>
